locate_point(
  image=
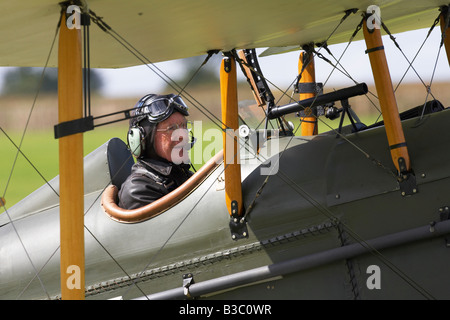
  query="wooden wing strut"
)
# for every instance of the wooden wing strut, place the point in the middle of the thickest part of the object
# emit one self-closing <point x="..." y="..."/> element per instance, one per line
<point x="389" y="109"/>
<point x="230" y="127"/>
<point x="70" y="107"/>
<point x="308" y="78"/>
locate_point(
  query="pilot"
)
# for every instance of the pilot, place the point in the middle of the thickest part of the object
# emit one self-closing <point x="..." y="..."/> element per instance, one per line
<point x="159" y="140"/>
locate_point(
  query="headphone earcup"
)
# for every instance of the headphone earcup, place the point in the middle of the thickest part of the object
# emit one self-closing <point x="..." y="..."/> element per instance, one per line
<point x="135" y="138"/>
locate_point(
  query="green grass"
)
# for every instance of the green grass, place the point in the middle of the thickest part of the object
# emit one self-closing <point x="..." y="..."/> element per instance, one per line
<point x="19" y="178"/>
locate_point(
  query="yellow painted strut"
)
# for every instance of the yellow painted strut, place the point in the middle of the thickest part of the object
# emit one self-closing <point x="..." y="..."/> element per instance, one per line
<point x="230" y="127"/>
<point x="70" y="107"/>
<point x="445" y="30"/>
<point x="388" y="104"/>
<point x="308" y="77"/>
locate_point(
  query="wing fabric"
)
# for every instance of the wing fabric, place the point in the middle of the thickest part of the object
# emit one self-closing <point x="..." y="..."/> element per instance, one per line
<point x="167" y="30"/>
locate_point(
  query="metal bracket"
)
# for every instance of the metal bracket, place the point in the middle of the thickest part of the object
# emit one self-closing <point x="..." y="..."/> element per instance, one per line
<point x="85" y="19"/>
<point x="309" y="87"/>
<point x="188" y="279"/>
<point x="444" y="214"/>
<point x="227" y="64"/>
<point x="68" y="128"/>
<point x="407" y="180"/>
<point x="314" y="111"/>
<point x="238" y="225"/>
<point x="408" y="185"/>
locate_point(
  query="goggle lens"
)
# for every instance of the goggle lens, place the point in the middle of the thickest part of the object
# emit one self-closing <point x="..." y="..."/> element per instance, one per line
<point x="159" y="109"/>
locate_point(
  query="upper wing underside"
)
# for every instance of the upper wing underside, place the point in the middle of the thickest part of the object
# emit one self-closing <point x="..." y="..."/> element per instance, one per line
<point x="167" y="30"/>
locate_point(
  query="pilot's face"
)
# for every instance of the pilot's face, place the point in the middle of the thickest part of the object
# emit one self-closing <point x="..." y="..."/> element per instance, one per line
<point x="172" y="138"/>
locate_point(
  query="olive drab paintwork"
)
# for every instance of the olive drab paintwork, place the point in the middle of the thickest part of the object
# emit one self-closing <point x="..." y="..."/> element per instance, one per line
<point x="359" y="193"/>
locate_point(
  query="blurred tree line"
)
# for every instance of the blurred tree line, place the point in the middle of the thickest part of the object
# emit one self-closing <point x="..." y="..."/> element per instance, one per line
<point x="206" y="76"/>
<point x="195" y="74"/>
<point x="27" y="80"/>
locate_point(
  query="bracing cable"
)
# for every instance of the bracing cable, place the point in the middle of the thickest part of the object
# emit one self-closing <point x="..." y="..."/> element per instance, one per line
<point x="300" y="191"/>
<point x="20" y="152"/>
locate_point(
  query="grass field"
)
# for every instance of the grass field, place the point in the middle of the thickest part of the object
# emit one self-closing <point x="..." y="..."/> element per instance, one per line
<point x="19" y="178"/>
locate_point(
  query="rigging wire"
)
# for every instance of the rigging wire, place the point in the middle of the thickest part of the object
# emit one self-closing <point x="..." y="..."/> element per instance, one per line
<point x="173" y="86"/>
<point x="350" y="231"/>
<point x="29" y="161"/>
<point x="106" y="28"/>
<point x="94" y="237"/>
<point x="410" y="63"/>
<point x="111" y="256"/>
<point x="20" y="152"/>
<point x="153" y="67"/>
<point x="319" y="119"/>
<point x="331" y="216"/>
<point x="246" y="213"/>
<point x="336" y="222"/>
<point x="37" y="275"/>
<point x="338" y="61"/>
<point x="169" y="81"/>
<point x="87" y="111"/>
<point x="19" y="147"/>
<point x="87" y="65"/>
<point x="194" y="74"/>
<point x="147" y="62"/>
<point x="443" y="35"/>
<point x="182" y="89"/>
<point x="436" y="21"/>
<point x="309" y="198"/>
<point x="356" y="236"/>
<point x="152" y="259"/>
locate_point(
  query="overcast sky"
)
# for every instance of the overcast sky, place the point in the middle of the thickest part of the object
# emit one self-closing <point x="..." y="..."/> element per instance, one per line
<point x="282" y="69"/>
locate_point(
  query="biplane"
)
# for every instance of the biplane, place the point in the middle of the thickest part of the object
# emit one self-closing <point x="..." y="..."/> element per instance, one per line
<point x="284" y="211"/>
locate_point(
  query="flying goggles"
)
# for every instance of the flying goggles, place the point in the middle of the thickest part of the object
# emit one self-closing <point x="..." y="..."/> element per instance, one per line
<point x="158" y="108"/>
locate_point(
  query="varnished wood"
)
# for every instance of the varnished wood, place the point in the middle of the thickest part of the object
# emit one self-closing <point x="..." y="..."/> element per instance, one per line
<point x="230" y="126"/>
<point x="446" y="31"/>
<point x="386" y="96"/>
<point x="70" y="107"/>
<point x="306" y="63"/>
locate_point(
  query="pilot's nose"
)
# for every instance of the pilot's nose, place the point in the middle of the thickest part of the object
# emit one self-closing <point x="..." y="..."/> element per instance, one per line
<point x="181" y="136"/>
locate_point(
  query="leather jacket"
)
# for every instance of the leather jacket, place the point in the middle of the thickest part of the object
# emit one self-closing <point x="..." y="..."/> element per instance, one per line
<point x="151" y="179"/>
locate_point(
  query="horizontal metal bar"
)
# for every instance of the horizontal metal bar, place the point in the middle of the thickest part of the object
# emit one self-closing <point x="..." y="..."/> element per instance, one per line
<point x="68" y="128"/>
<point x="319" y="100"/>
<point x="303" y="263"/>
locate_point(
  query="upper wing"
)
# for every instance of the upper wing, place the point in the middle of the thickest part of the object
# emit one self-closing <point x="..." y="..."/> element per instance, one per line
<point x="167" y="30"/>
